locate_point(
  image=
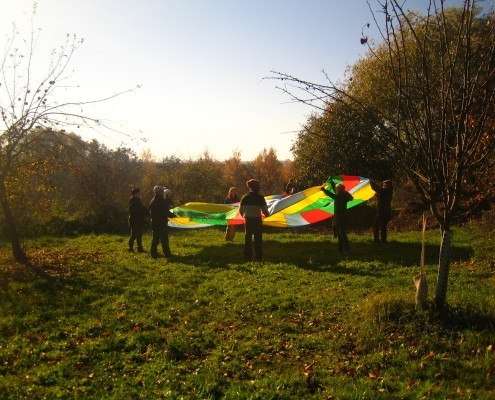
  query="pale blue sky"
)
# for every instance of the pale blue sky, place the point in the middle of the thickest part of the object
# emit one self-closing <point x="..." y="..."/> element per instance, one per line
<point x="201" y="64"/>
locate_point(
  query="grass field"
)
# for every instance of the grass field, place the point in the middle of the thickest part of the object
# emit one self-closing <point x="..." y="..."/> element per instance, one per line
<point x="90" y="320"/>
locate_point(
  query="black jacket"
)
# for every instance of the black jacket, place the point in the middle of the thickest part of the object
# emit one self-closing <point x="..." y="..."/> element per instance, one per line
<point x="233" y="200"/>
<point x="137" y="212"/>
<point x="384" y="196"/>
<point x="291" y="188"/>
<point x="340" y="206"/>
<point x="160" y="212"/>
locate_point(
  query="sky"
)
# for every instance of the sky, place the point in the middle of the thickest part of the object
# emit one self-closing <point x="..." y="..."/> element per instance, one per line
<point x="200" y="64"/>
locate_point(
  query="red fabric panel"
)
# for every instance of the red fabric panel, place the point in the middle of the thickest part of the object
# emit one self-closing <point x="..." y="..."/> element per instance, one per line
<point x="350" y="181"/>
<point x="315" y="215"/>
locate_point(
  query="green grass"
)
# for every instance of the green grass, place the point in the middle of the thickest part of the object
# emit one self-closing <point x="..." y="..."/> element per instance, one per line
<point x="90" y="320"/>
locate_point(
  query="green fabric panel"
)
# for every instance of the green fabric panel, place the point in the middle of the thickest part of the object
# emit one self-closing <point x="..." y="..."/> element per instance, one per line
<point x="325" y="204"/>
<point x="194" y="215"/>
<point x="354" y="202"/>
<point x="210" y="221"/>
<point x="336" y="180"/>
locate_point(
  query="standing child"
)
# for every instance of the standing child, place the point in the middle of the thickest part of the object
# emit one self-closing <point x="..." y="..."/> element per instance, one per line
<point x="339" y="221"/>
<point x="251" y="207"/>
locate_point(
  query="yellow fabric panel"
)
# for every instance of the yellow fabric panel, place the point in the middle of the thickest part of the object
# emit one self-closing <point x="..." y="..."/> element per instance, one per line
<point x="183" y="221"/>
<point x="207" y="207"/>
<point x="364" y="193"/>
<point x="277" y="224"/>
<point x="312" y="194"/>
<point x="276" y="219"/>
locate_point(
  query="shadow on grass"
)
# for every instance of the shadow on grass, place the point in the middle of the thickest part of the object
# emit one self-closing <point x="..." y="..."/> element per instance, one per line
<point x="467" y="317"/>
<point x="455" y="318"/>
<point x="406" y="254"/>
<point x="322" y="256"/>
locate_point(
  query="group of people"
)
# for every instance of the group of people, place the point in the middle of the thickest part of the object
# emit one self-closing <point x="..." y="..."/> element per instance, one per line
<point x="252" y="207"/>
<point x="341" y="197"/>
<point x="159" y="212"/>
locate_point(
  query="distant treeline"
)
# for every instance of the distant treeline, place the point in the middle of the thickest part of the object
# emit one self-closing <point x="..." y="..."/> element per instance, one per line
<point x="67" y="185"/>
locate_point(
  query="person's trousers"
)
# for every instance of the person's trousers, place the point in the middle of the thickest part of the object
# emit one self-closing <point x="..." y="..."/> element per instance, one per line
<point x="253" y="228"/>
<point x="380" y="227"/>
<point x="342" y="239"/>
<point x="136" y="235"/>
<point x="160" y="235"/>
<point x="230" y="233"/>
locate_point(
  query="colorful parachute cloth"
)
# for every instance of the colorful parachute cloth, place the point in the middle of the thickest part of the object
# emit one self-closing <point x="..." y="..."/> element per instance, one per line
<point x="286" y="211"/>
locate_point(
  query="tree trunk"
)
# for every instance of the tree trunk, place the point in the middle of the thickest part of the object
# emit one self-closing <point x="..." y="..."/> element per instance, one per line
<point x="10" y="227"/>
<point x="443" y="271"/>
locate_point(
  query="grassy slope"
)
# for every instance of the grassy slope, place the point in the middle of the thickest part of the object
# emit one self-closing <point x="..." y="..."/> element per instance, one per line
<point x="94" y="321"/>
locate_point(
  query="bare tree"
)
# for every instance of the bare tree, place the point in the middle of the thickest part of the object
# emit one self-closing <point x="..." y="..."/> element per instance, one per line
<point x="428" y="88"/>
<point x="27" y="102"/>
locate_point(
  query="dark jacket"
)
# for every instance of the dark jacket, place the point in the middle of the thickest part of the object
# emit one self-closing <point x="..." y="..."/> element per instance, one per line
<point x="230" y="200"/>
<point x="252" y="205"/>
<point x="137" y="212"/>
<point x="160" y="212"/>
<point x="291" y="188"/>
<point x="384" y="196"/>
<point x="340" y="206"/>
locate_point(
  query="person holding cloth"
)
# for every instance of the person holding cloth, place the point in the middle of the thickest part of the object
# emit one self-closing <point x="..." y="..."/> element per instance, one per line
<point x="137" y="214"/>
<point x="384" y="193"/>
<point x="160" y="213"/>
<point x="252" y="206"/>
<point x="291" y="187"/>
<point x="339" y="222"/>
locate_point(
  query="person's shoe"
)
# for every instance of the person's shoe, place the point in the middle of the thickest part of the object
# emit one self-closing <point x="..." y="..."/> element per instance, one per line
<point x="130" y="250"/>
<point x="153" y="255"/>
<point x="141" y="250"/>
